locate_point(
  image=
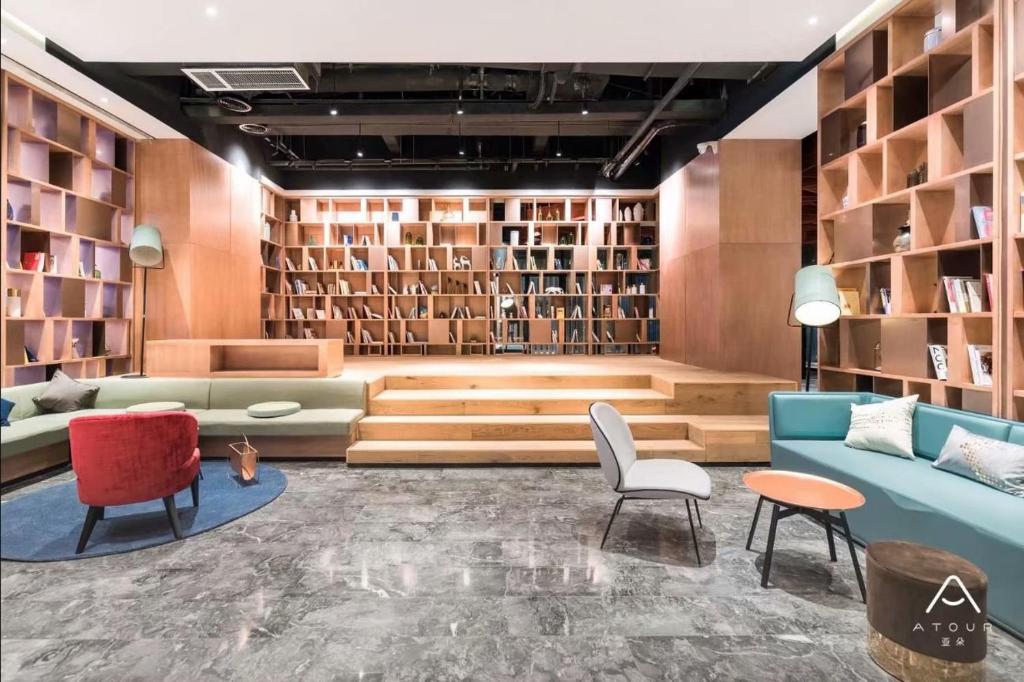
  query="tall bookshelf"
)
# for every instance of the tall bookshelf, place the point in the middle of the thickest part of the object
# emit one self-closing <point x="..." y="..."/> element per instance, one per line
<point x="463" y="275"/>
<point x="69" y="194"/>
<point x="1014" y="261"/>
<point x="906" y="137"/>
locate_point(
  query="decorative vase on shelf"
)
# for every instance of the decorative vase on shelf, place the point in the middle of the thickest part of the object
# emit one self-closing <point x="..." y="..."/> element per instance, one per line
<point x="293" y="217"/>
<point x="627" y="214"/>
<point x="638" y="211"/>
<point x="902" y="241"/>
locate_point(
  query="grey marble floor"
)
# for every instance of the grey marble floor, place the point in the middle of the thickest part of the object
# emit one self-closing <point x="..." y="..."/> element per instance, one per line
<point x="447" y="574"/>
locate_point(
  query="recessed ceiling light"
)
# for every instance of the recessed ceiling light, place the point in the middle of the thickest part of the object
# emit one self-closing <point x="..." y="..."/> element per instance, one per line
<point x="462" y="152"/>
<point x="211" y="11"/>
<point x="459" y="110"/>
<point x="559" y="153"/>
<point x="584" y="111"/>
<point x="334" y="112"/>
<point x="359" y="153"/>
<point x="813" y="21"/>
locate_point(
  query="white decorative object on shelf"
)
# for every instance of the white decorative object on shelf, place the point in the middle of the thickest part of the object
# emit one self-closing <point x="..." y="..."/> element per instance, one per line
<point x="627" y="214"/>
<point x="932" y="38"/>
<point x="638" y="211"/>
<point x="293" y="217"/>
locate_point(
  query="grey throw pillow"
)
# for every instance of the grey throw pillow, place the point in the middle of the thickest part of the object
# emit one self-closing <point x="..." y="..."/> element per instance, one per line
<point x="64" y="394"/>
<point x="886" y="427"/>
<point x="995" y="463"/>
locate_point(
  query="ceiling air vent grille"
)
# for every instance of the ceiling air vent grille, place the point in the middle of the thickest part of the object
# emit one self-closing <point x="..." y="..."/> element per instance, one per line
<point x="247" y="78"/>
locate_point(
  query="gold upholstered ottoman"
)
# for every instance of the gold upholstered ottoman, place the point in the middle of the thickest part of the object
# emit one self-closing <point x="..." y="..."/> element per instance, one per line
<point x="926" y="613"/>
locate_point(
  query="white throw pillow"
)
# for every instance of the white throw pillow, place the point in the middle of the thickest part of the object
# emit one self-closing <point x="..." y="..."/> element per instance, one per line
<point x="886" y="427"/>
<point x="993" y="462"/>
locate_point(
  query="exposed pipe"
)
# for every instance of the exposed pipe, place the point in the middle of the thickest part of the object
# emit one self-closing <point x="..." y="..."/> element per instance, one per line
<point x="615" y="166"/>
<point x="425" y="164"/>
<point x="540" y="89"/>
<point x="638" y="149"/>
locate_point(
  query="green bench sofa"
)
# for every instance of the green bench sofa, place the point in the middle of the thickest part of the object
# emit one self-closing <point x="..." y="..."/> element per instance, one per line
<point x="323" y="428"/>
<point x="909" y="499"/>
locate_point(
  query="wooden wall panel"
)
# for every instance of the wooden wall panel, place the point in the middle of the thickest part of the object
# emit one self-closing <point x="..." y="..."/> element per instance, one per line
<point x="671" y="223"/>
<point x="730" y="248"/>
<point x="208" y="214"/>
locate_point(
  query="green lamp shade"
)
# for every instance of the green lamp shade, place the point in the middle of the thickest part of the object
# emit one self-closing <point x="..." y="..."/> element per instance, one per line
<point x="146" y="249"/>
<point x="815" y="298"/>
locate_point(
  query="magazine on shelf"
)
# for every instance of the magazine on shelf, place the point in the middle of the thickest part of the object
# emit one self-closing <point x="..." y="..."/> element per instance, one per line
<point x="982" y="216"/>
<point x="940" y="360"/>
<point x="886" y="298"/>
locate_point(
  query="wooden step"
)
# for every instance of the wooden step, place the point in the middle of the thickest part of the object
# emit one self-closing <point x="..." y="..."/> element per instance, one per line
<point x="516" y="401"/>
<point x="732" y="438"/>
<point x="506" y="452"/>
<point x="513" y="427"/>
<point x="501" y="381"/>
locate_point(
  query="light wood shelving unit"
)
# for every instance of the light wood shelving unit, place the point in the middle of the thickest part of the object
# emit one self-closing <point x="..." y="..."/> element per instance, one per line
<point x="69" y="194"/>
<point x="1014" y="261"/>
<point x="909" y="136"/>
<point x="428" y="274"/>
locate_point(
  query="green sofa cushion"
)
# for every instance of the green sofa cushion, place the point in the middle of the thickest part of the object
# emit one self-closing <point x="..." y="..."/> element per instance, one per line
<point x="280" y="408"/>
<point x="40" y="431"/>
<point x="238" y="394"/>
<point x="306" y="422"/>
<point x="828" y="416"/>
<point x="118" y="392"/>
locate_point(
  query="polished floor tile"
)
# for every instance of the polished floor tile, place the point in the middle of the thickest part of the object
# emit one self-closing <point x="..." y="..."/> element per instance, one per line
<point x="451" y="574"/>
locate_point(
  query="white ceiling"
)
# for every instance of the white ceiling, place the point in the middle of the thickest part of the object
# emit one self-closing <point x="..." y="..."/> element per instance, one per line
<point x="792" y="115"/>
<point x="437" y="30"/>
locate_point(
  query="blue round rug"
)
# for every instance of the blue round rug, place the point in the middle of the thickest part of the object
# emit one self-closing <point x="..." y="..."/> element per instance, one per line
<point x="44" y="525"/>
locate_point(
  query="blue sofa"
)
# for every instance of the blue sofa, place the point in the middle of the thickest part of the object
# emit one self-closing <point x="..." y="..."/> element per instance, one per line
<point x="909" y="499"/>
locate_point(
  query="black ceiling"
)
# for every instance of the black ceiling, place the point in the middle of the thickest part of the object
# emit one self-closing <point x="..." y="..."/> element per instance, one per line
<point x="383" y="124"/>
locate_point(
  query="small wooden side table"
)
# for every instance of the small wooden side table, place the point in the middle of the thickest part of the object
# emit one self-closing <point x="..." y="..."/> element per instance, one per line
<point x="792" y="492"/>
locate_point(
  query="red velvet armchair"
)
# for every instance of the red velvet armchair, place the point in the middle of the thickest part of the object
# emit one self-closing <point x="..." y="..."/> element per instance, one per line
<point x="130" y="458"/>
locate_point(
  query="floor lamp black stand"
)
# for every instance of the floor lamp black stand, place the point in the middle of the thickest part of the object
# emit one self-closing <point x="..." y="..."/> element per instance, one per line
<point x="146" y="252"/>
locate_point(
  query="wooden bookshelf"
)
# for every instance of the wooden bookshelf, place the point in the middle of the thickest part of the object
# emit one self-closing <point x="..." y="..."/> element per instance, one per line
<point x="69" y="191"/>
<point x="1013" y="260"/>
<point x="907" y="136"/>
<point x="429" y="274"/>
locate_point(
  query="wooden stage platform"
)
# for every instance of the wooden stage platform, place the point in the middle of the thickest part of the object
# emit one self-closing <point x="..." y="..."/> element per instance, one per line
<point x="533" y="409"/>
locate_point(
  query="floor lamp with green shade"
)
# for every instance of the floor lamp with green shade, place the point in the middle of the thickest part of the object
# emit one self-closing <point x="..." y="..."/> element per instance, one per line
<point x="815" y="303"/>
<point x="146" y="251"/>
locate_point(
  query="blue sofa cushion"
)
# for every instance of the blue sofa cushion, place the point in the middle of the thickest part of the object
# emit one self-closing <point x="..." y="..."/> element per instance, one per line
<point x="5" y="411"/>
<point x="826" y="417"/>
<point x="933" y="424"/>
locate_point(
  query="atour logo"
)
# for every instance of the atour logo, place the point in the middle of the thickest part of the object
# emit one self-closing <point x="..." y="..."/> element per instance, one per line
<point x="952" y="632"/>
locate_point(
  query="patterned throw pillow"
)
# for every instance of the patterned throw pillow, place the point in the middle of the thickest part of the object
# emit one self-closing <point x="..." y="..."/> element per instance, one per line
<point x="886" y="427"/>
<point x="993" y="462"/>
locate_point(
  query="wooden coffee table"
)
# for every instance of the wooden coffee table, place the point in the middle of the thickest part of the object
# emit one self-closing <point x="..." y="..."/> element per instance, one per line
<point x="790" y="493"/>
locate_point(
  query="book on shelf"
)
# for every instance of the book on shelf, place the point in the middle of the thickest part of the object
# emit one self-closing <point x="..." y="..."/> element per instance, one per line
<point x="366" y="240"/>
<point x="312" y="263"/>
<point x="607" y="289"/>
<point x="391" y="290"/>
<point x="622" y="313"/>
<point x="34" y="261"/>
<point x="350" y="339"/>
<point x="940" y="360"/>
<point x="336" y="311"/>
<point x="410" y="338"/>
<point x="886" y="299"/>
<point x="849" y="301"/>
<point x="391" y="338"/>
<point x="396" y="312"/>
<point x="982" y="216"/>
<point x="366" y="336"/>
<point x="579" y="289"/>
<point x="990" y="290"/>
<point x="288" y="263"/>
<point x="508" y="287"/>
<point x="352" y="313"/>
<point x="608" y="335"/>
<point x="320" y="288"/>
<point x="297" y="314"/>
<point x="374" y="290"/>
<point x="431" y="265"/>
<point x="964" y="294"/>
<point x="980" y="356"/>
<point x="476" y="288"/>
<point x="310" y="313"/>
<point x="643" y="264"/>
<point x="321" y="314"/>
<point x="595" y="337"/>
<point x="513" y="237"/>
<point x="451" y="337"/>
<point x="309" y="333"/>
<point x="531" y="289"/>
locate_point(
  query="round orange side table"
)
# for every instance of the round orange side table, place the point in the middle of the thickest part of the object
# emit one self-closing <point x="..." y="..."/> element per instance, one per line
<point x="792" y="492"/>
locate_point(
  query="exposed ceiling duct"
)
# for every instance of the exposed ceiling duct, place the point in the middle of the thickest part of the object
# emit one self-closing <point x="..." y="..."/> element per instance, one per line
<point x="621" y="160"/>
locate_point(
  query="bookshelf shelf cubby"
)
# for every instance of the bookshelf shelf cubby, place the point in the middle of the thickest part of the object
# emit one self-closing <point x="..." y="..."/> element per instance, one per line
<point x="444" y="275"/>
<point x="906" y="197"/>
<point x="70" y="190"/>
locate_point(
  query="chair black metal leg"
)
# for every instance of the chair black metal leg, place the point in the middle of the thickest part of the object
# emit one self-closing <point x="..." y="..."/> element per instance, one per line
<point x="91" y="517"/>
<point x="826" y="517"/>
<point x="771" y="546"/>
<point x="195" y="492"/>
<point x="102" y="514"/>
<point x="618" y="505"/>
<point x="853" y="556"/>
<point x="700" y="521"/>
<point x="693" y="532"/>
<point x="172" y="515"/>
<point x="753" y="524"/>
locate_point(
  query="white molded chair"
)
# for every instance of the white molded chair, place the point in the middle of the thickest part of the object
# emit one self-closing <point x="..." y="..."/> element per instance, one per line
<point x="643" y="479"/>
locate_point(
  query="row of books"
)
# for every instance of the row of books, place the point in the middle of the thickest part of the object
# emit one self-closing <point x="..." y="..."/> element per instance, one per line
<point x="966" y="294"/>
<point x="979" y="356"/>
